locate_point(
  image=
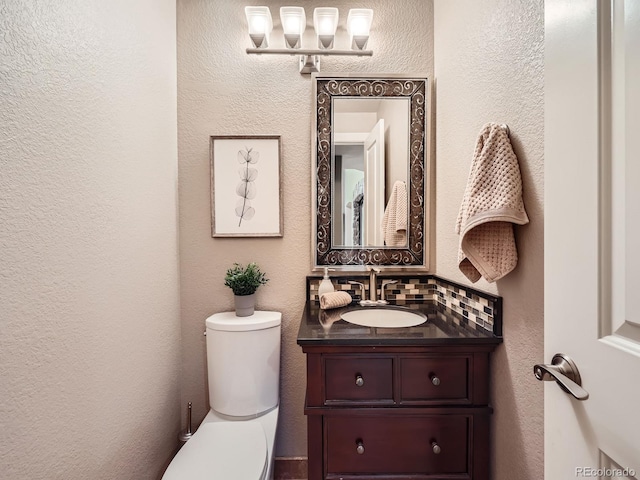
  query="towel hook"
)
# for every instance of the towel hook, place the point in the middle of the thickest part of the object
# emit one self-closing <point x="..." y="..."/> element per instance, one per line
<point x="505" y="127"/>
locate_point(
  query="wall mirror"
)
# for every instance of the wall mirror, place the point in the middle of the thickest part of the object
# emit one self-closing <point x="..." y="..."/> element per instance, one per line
<point x="370" y="171"/>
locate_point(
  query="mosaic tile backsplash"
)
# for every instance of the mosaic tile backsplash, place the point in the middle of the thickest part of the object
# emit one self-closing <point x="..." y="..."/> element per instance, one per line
<point x="482" y="309"/>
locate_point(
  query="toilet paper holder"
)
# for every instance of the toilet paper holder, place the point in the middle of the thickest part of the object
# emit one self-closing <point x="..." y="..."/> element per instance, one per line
<point x="185" y="435"/>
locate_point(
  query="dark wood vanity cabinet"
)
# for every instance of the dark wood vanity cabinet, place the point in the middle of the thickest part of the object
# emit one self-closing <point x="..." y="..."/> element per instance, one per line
<point x="398" y="412"/>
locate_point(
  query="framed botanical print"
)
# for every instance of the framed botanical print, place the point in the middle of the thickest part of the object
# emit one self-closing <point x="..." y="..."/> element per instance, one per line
<point x="246" y="181"/>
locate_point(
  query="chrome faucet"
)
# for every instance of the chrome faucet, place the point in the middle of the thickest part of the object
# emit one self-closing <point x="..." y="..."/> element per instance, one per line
<point x="383" y="300"/>
<point x="373" y="283"/>
<point x="373" y="290"/>
<point x="361" y="285"/>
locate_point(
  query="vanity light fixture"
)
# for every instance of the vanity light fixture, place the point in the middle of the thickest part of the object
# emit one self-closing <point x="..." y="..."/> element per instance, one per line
<point x="294" y="22"/>
<point x="260" y="25"/>
<point x="325" y="24"/>
<point x="358" y="26"/>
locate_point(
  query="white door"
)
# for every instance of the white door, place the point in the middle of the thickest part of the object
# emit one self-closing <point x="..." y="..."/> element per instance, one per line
<point x="592" y="235"/>
<point x="374" y="179"/>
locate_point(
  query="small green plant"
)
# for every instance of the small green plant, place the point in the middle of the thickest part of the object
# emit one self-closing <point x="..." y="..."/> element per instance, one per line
<point x="244" y="281"/>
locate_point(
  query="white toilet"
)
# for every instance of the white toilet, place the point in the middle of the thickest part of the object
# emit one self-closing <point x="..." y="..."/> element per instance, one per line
<point x="235" y="440"/>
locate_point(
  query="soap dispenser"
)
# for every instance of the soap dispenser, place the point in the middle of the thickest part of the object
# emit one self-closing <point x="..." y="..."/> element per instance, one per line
<point x="325" y="286"/>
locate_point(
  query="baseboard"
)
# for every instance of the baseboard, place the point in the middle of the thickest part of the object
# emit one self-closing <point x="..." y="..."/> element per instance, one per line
<point x="290" y="468"/>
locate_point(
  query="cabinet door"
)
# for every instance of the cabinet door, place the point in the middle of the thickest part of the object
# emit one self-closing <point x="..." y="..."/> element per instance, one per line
<point x="398" y="445"/>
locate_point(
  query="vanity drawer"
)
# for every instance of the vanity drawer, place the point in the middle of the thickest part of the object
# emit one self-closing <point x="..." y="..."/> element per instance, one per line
<point x="435" y="379"/>
<point x="397" y="445"/>
<point x="358" y="379"/>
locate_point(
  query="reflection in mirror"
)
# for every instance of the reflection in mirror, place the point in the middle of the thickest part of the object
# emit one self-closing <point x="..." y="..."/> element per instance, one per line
<point x="370" y="151"/>
<point x="371" y="154"/>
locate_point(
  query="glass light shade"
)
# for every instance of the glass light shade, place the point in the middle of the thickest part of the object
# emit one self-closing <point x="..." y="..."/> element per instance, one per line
<point x="325" y="23"/>
<point x="294" y="22"/>
<point x="358" y="26"/>
<point x="260" y="25"/>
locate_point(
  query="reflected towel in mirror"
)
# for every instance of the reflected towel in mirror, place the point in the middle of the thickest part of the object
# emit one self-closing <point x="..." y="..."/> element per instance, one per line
<point x="394" y="221"/>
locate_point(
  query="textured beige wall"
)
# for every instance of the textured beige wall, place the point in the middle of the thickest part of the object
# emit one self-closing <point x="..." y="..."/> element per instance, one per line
<point x="224" y="91"/>
<point x="489" y="67"/>
<point x="89" y="297"/>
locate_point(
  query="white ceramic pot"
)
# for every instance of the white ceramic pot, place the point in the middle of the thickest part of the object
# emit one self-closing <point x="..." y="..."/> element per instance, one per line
<point x="245" y="305"/>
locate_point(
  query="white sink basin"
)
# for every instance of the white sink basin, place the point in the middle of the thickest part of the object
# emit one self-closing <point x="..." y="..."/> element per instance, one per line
<point x="384" y="317"/>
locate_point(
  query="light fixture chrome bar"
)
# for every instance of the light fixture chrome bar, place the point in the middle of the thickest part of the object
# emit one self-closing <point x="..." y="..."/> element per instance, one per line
<point x="303" y="51"/>
<point x="309" y="64"/>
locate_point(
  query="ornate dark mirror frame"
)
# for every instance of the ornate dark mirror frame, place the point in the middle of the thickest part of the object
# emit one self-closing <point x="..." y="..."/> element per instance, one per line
<point x="329" y="87"/>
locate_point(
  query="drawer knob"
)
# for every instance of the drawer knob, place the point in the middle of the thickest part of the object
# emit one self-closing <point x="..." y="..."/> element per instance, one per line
<point x="435" y="447"/>
<point x="435" y="380"/>
<point x="359" y="447"/>
<point x="359" y="380"/>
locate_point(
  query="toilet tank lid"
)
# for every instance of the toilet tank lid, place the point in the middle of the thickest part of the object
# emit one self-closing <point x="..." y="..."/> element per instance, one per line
<point x="227" y="321"/>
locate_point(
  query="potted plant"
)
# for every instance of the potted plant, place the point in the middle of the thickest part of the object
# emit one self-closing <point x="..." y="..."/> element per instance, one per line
<point x="244" y="281"/>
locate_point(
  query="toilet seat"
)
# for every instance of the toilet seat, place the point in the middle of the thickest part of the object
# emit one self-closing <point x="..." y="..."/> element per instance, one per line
<point x="222" y="451"/>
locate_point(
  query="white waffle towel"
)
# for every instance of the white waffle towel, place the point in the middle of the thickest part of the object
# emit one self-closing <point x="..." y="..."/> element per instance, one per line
<point x="492" y="203"/>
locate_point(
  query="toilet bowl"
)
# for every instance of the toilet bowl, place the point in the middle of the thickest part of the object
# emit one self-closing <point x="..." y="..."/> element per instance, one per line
<point x="236" y="439"/>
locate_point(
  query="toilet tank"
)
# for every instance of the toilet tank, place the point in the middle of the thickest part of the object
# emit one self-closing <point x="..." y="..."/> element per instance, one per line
<point x="243" y="360"/>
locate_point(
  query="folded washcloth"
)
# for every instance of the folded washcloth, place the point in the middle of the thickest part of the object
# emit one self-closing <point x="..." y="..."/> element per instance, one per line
<point x="334" y="300"/>
<point x="492" y="203"/>
<point x="394" y="221"/>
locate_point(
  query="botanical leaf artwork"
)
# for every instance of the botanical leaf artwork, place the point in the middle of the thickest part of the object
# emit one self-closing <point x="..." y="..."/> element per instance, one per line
<point x="246" y="189"/>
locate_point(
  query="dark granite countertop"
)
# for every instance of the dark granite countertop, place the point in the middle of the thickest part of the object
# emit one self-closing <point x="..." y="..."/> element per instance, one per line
<point x="443" y="327"/>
